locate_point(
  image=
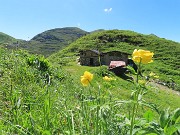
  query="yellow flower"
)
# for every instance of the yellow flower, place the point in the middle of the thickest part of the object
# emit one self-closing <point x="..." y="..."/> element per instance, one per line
<point x="156" y="76"/>
<point x="152" y="74"/>
<point x="106" y="78"/>
<point x="143" y="56"/>
<point x="142" y="82"/>
<point x="86" y="78"/>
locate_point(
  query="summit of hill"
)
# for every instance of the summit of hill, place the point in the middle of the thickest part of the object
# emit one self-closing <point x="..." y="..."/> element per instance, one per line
<point x="52" y="40"/>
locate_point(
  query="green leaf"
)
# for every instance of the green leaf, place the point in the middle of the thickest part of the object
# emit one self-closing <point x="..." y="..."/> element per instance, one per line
<point x="176" y="115"/>
<point x="177" y="126"/>
<point x="164" y="118"/>
<point x="149" y="115"/>
<point x="170" y="130"/>
<point x="150" y="105"/>
<point x="131" y="69"/>
<point x="120" y="102"/>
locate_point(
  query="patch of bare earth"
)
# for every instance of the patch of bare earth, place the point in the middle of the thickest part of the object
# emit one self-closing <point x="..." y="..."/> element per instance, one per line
<point x="165" y="88"/>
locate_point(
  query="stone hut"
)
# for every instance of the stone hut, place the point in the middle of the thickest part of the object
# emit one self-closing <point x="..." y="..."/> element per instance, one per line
<point x="89" y="58"/>
<point x="94" y="57"/>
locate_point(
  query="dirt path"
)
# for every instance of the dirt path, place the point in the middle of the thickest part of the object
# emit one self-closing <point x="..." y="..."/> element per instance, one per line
<point x="165" y="88"/>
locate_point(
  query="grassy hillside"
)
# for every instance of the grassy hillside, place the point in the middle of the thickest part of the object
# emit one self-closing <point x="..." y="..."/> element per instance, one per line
<point x="4" y="38"/>
<point x="39" y="98"/>
<point x="51" y="41"/>
<point x="42" y="96"/>
<point x="166" y="59"/>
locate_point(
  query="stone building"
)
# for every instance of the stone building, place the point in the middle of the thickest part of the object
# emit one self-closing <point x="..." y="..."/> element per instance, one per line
<point x="95" y="58"/>
<point x="90" y="58"/>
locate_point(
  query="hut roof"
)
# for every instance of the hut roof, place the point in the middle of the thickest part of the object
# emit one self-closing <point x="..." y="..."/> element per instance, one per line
<point x="114" y="64"/>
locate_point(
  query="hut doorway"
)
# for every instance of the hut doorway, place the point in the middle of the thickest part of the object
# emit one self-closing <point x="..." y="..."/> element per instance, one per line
<point x="91" y="61"/>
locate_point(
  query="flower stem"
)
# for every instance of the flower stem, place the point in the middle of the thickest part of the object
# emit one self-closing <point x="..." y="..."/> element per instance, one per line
<point x="135" y="99"/>
<point x="132" y="119"/>
<point x="138" y="71"/>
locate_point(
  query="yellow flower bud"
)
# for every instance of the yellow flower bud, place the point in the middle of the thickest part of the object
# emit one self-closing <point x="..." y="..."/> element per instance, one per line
<point x="106" y="78"/>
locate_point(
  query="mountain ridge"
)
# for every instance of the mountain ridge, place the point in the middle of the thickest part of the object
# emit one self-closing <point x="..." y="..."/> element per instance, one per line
<point x="53" y="40"/>
<point x="58" y="31"/>
<point x="50" y="41"/>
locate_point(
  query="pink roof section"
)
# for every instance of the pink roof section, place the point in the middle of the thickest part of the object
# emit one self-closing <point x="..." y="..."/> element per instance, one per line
<point x="114" y="64"/>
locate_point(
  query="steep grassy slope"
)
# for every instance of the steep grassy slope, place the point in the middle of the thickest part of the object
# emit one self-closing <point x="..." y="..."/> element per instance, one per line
<point x="52" y="40"/>
<point x="166" y="59"/>
<point x="4" y="38"/>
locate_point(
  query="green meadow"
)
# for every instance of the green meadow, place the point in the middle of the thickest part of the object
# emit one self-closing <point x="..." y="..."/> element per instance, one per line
<point x="45" y="96"/>
<point x="38" y="97"/>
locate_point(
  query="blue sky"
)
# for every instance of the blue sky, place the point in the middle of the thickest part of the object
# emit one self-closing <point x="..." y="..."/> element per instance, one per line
<point x="24" y="19"/>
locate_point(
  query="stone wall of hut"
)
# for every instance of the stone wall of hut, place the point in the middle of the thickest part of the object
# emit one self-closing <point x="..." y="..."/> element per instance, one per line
<point x="114" y="56"/>
<point x="91" y="58"/>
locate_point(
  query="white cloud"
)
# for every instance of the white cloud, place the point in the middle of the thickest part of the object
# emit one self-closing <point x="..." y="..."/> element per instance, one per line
<point x="107" y="10"/>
